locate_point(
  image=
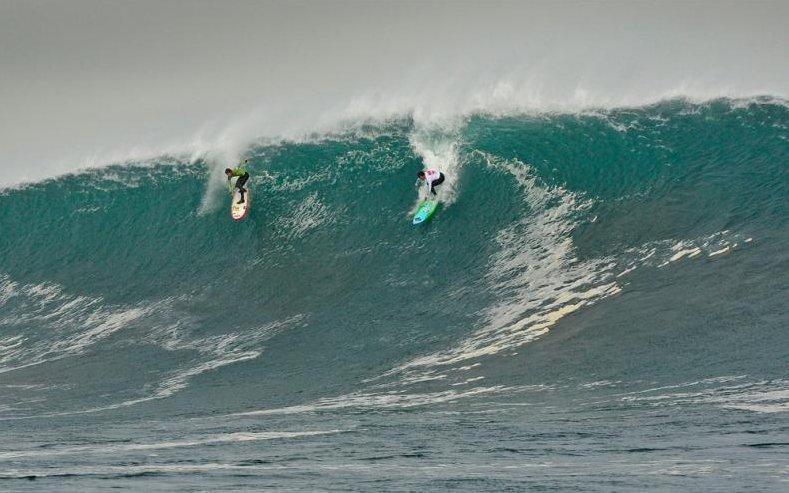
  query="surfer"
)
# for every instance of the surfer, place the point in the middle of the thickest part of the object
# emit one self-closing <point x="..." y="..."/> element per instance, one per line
<point x="242" y="176"/>
<point x="432" y="179"/>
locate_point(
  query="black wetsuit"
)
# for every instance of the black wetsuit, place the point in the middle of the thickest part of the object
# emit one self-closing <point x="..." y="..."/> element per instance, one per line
<point x="241" y="181"/>
<point x="436" y="183"/>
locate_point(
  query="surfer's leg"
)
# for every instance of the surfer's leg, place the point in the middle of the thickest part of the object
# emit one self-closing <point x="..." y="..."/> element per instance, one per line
<point x="240" y="186"/>
<point x="436" y="183"/>
<point x="241" y="181"/>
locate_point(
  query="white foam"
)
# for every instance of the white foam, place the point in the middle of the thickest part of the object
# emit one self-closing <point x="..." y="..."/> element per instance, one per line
<point x="626" y="271"/>
<point x="66" y="324"/>
<point x="468" y="381"/>
<point x="719" y="252"/>
<point x="664" y="252"/>
<point x="69" y="325"/>
<point x="11" y="473"/>
<point x="220" y="350"/>
<point x="536" y="273"/>
<point x="438" y="150"/>
<point x="539" y="277"/>
<point x="381" y="400"/>
<point x="601" y="383"/>
<point x="307" y="215"/>
<point x="760" y="396"/>
<point x="115" y="448"/>
<point x="690" y="252"/>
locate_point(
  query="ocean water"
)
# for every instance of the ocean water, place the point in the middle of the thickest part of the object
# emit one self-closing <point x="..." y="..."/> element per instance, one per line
<point x="599" y="304"/>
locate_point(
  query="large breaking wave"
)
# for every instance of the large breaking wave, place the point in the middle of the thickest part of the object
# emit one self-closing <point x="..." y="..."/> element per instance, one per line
<point x="129" y="286"/>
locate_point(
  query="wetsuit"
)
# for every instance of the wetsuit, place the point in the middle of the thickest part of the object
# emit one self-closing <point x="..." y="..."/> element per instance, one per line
<point x="433" y="178"/>
<point x="242" y="176"/>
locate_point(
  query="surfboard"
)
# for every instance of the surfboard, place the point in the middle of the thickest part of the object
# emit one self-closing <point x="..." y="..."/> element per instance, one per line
<point x="425" y="210"/>
<point x="238" y="211"/>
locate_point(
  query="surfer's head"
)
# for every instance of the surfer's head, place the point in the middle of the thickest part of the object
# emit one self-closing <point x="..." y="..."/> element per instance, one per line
<point x="420" y="174"/>
<point x="228" y="171"/>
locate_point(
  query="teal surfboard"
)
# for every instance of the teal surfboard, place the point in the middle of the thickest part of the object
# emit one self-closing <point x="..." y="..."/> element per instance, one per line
<point x="425" y="210"/>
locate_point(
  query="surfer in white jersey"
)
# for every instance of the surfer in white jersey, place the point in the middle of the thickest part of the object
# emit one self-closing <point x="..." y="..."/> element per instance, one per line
<point x="432" y="179"/>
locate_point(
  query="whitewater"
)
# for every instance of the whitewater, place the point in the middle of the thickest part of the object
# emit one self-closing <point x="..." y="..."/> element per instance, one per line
<point x="599" y="303"/>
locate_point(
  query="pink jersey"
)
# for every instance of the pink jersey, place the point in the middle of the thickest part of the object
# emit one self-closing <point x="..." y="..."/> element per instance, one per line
<point x="431" y="175"/>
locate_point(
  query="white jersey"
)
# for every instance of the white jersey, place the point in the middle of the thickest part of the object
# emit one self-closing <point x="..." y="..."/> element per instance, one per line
<point x="431" y="175"/>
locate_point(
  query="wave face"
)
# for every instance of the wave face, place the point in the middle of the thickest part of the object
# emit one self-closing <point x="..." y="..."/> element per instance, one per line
<point x="625" y="268"/>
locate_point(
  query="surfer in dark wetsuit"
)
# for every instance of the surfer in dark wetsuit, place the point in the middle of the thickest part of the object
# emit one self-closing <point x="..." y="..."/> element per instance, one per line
<point x="242" y="177"/>
<point x="432" y="179"/>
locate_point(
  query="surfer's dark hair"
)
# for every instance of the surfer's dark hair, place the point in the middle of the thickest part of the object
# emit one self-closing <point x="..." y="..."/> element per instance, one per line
<point x="420" y="174"/>
<point x="228" y="170"/>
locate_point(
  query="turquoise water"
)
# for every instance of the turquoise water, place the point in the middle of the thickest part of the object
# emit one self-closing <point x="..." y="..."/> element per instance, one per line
<point x="598" y="304"/>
